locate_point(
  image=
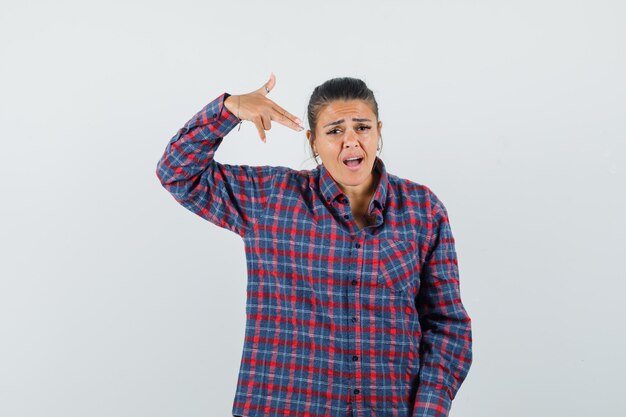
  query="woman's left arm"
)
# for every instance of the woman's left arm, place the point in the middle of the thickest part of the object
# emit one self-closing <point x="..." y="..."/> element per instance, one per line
<point x="446" y="341"/>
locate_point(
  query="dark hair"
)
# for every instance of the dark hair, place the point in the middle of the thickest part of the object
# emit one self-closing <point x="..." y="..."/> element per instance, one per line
<point x="340" y="88"/>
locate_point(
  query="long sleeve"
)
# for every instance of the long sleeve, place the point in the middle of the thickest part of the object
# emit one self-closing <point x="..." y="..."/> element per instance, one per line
<point x="230" y="196"/>
<point x="446" y="344"/>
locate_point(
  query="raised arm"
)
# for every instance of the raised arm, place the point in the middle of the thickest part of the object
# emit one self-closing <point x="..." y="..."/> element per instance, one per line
<point x="230" y="196"/>
<point x="446" y="345"/>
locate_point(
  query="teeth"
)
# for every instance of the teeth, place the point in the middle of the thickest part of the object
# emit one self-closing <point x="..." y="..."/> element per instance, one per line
<point x="352" y="159"/>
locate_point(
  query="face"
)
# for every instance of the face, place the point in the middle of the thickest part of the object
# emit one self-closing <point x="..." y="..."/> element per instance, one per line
<point x="346" y="129"/>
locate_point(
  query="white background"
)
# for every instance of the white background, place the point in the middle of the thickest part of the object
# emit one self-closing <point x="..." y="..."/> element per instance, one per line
<point x="117" y="301"/>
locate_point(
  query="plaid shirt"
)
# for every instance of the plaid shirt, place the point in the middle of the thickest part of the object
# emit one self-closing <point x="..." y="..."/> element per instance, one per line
<point x="338" y="317"/>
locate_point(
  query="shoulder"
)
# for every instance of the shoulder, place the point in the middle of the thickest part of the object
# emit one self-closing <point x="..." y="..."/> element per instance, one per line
<point x="292" y="175"/>
<point x="282" y="177"/>
<point x="277" y="172"/>
<point x="412" y="190"/>
<point x="419" y="196"/>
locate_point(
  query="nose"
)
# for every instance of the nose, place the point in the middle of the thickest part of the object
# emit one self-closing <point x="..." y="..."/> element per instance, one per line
<point x="350" y="139"/>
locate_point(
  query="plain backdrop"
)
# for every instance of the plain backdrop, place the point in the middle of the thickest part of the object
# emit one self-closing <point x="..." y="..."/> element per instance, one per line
<point x="117" y="301"/>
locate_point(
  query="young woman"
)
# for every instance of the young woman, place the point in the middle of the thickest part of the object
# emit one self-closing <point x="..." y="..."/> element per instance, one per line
<point x="353" y="298"/>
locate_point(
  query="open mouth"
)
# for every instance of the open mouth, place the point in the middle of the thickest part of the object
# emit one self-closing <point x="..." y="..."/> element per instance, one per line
<point x="353" y="162"/>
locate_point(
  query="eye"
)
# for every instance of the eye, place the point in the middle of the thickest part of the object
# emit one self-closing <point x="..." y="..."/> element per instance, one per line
<point x="361" y="128"/>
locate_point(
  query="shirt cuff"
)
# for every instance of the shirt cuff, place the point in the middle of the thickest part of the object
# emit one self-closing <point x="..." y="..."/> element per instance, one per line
<point x="225" y="113"/>
<point x="432" y="403"/>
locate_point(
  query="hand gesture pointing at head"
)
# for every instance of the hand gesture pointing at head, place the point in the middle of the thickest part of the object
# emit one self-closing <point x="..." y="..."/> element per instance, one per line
<point x="260" y="110"/>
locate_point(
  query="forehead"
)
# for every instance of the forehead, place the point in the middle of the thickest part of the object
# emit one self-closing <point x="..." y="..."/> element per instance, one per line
<point x="340" y="109"/>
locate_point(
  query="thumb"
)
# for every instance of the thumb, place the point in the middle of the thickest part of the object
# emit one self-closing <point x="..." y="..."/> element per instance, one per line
<point x="269" y="85"/>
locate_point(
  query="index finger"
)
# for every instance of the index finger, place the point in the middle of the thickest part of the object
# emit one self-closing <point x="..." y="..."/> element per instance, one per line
<point x="285" y="118"/>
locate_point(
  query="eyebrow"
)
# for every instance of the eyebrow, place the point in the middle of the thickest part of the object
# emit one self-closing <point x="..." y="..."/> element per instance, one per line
<point x="354" y="119"/>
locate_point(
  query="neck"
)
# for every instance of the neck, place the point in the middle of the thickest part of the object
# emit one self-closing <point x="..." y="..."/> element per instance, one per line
<point x="361" y="197"/>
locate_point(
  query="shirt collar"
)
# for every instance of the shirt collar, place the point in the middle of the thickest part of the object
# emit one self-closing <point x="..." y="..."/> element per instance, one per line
<point x="331" y="190"/>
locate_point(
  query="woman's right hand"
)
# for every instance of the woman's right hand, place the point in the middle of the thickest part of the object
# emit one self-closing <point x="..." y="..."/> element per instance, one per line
<point x="260" y="110"/>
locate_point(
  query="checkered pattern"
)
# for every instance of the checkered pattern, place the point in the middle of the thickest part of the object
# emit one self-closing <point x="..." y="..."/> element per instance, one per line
<point x="337" y="317"/>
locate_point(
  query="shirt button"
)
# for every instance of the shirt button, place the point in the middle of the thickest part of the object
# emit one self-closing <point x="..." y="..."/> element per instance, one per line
<point x="327" y="198"/>
<point x="353" y="319"/>
<point x="355" y="358"/>
<point x="214" y="114"/>
<point x="346" y="216"/>
<point x="358" y="245"/>
<point x="354" y="281"/>
<point x="356" y="391"/>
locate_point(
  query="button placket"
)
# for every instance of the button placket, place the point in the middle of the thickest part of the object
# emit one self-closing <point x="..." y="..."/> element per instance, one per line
<point x="356" y="357"/>
<point x="347" y="214"/>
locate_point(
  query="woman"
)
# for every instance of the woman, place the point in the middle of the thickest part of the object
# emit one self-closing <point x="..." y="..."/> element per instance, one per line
<point x="353" y="299"/>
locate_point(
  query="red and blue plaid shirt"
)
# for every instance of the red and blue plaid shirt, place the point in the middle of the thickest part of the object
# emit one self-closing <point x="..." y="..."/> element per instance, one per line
<point x="337" y="317"/>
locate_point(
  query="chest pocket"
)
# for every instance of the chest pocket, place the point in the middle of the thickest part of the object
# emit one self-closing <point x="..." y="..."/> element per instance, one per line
<point x="398" y="265"/>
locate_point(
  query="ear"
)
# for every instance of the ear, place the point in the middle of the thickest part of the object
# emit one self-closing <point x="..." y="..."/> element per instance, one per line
<point x="308" y="136"/>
